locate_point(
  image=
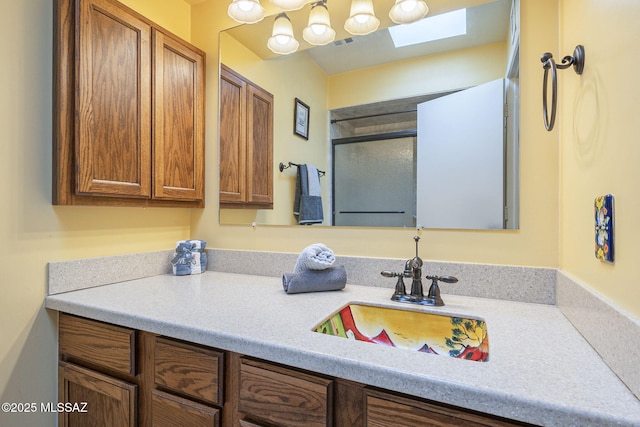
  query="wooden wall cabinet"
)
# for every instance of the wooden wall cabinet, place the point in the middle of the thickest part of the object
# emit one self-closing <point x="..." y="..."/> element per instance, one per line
<point x="246" y="143"/>
<point x="138" y="378"/>
<point x="128" y="109"/>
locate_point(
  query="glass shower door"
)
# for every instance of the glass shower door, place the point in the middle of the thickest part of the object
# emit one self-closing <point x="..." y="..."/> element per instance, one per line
<point x="375" y="182"/>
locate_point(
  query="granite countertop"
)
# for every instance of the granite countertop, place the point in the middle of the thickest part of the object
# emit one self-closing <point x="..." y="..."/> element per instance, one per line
<point x="540" y="369"/>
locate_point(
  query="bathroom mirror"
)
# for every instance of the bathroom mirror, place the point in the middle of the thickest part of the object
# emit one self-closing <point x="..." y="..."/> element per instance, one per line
<point x="363" y="94"/>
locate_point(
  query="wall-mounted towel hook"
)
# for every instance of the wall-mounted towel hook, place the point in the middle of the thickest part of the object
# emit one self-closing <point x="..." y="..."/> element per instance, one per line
<point x="577" y="61"/>
<point x="282" y="167"/>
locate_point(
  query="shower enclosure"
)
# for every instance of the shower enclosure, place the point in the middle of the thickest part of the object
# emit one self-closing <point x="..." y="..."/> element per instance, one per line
<point x="376" y="178"/>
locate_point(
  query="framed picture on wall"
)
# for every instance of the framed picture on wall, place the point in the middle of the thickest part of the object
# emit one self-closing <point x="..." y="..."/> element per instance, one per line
<point x="301" y="119"/>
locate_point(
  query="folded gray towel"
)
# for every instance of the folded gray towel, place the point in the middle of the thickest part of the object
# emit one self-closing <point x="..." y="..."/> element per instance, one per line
<point x="314" y="257"/>
<point x="330" y="279"/>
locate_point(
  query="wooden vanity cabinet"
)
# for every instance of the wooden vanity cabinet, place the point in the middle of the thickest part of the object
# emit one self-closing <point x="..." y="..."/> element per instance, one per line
<point x="97" y="366"/>
<point x="246" y="143"/>
<point x="128" y="109"/>
<point x="136" y="378"/>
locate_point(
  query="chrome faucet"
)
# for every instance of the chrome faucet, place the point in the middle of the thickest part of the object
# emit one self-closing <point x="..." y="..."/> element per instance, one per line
<point x="413" y="269"/>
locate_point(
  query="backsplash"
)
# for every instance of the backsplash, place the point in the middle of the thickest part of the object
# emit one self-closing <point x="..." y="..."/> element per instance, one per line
<point x="73" y="275"/>
<point x="513" y="283"/>
<point x="610" y="331"/>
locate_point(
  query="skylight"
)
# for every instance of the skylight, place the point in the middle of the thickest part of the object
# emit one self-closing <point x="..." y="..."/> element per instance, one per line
<point x="437" y="27"/>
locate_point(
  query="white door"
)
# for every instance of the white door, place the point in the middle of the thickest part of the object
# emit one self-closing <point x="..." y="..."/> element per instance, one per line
<point x="460" y="159"/>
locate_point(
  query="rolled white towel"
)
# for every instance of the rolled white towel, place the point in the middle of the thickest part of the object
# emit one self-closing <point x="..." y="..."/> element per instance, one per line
<point x="314" y="257"/>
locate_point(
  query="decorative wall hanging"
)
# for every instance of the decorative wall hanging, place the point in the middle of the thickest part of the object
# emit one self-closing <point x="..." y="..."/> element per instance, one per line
<point x="604" y="228"/>
<point x="301" y="119"/>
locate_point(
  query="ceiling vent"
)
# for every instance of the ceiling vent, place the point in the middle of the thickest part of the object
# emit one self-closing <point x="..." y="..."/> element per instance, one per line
<point x="343" y="41"/>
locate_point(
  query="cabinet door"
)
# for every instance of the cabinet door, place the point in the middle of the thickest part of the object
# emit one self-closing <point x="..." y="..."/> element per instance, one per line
<point x="246" y="143"/>
<point x="178" y="104"/>
<point x="233" y="132"/>
<point x="259" y="146"/>
<point x="113" y="132"/>
<point x="109" y="402"/>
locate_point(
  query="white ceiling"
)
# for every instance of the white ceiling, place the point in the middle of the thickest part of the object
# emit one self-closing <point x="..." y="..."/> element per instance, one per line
<point x="487" y="21"/>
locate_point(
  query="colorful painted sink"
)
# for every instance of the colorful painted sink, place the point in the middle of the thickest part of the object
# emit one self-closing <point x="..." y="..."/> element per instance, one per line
<point x="460" y="337"/>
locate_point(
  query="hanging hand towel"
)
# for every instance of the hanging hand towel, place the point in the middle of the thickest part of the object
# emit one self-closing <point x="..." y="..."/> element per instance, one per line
<point x="302" y="188"/>
<point x="313" y="180"/>
<point x="310" y="206"/>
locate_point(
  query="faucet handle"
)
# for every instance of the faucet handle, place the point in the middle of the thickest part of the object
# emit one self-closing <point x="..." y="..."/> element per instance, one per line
<point x="434" y="289"/>
<point x="400" y="293"/>
<point x="387" y="273"/>
<point x="446" y="279"/>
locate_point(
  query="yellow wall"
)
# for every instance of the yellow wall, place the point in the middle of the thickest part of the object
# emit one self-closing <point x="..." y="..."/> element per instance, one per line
<point x="32" y="231"/>
<point x="174" y="15"/>
<point x="600" y="151"/>
<point x="536" y="243"/>
<point x="443" y="72"/>
<point x="602" y="103"/>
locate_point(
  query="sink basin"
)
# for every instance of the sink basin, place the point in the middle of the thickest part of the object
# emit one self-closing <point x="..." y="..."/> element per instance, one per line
<point x="459" y="337"/>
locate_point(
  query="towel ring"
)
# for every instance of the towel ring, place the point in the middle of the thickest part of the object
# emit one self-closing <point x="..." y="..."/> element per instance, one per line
<point x="577" y="60"/>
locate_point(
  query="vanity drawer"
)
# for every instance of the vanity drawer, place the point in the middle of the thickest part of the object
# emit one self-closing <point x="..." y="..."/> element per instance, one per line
<point x="285" y="397"/>
<point x="97" y="343"/>
<point x="170" y="411"/>
<point x="189" y="369"/>
<point x="384" y="409"/>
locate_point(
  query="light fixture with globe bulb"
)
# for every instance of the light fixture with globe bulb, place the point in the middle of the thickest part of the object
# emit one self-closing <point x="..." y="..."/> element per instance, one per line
<point x="282" y="40"/>
<point x="362" y="19"/>
<point x="246" y="11"/>
<point x="319" y="32"/>
<point x="288" y="5"/>
<point x="407" y="11"/>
